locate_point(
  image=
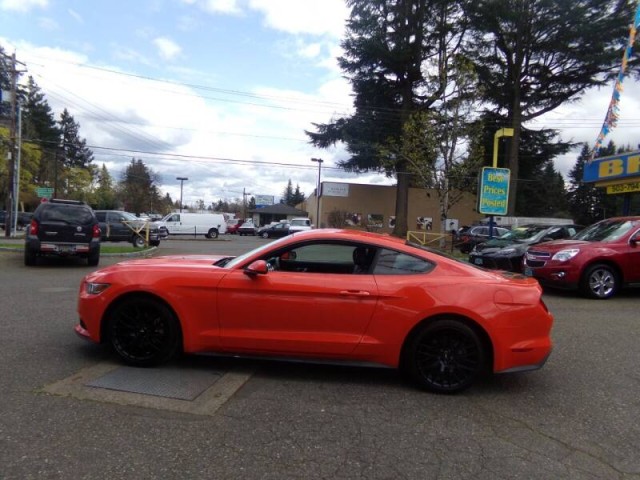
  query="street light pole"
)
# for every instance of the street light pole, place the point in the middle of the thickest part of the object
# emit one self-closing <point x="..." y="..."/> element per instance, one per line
<point x="182" y="180"/>
<point x="319" y="162"/>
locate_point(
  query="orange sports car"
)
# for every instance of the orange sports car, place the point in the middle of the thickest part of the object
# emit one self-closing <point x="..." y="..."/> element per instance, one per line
<point x="324" y="295"/>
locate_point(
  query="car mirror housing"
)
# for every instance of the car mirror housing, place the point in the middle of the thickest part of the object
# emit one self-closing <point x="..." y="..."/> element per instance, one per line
<point x="259" y="267"/>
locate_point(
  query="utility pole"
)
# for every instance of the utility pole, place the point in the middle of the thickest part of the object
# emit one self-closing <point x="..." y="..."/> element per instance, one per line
<point x="11" y="157"/>
<point x="182" y="180"/>
<point x="244" y="203"/>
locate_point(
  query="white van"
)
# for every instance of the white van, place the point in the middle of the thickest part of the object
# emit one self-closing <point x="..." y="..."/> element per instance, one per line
<point x="208" y="224"/>
<point x="299" y="224"/>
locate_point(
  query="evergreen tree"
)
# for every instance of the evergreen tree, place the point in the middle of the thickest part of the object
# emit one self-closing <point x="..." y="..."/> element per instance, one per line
<point x="74" y="149"/>
<point x="136" y="187"/>
<point x="398" y="55"/>
<point x="534" y="55"/>
<point x="298" y="196"/>
<point x="287" y="194"/>
<point x="105" y="195"/>
<point x="39" y="127"/>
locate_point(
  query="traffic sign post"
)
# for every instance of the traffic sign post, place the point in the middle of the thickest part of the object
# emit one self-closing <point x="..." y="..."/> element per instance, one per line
<point x="44" y="192"/>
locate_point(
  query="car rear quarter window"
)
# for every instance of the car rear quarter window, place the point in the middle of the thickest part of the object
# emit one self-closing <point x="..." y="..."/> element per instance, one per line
<point x="391" y="262"/>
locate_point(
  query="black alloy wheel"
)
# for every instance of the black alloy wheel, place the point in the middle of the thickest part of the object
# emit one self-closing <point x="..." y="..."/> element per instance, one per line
<point x="446" y="356"/>
<point x="144" y="332"/>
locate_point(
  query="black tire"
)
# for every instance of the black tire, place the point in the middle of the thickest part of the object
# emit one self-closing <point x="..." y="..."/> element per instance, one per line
<point x="154" y="243"/>
<point x="30" y="257"/>
<point x="93" y="259"/>
<point x="600" y="282"/>
<point x="144" y="332"/>
<point x="138" y="241"/>
<point x="445" y="356"/>
<point x="212" y="233"/>
<point x="265" y="235"/>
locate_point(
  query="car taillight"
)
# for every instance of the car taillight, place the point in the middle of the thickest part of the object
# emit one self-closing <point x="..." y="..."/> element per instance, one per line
<point x="96" y="231"/>
<point x="33" y="228"/>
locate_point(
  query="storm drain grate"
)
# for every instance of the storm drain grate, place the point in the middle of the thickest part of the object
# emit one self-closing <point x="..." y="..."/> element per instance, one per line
<point x="181" y="384"/>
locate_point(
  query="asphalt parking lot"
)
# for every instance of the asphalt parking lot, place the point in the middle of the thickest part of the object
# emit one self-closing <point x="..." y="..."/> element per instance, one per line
<point x="65" y="413"/>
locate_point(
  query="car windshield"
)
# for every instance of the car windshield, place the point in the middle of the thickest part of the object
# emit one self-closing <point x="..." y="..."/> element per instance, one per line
<point x="522" y="233"/>
<point x="241" y="258"/>
<point x="129" y="216"/>
<point x="605" y="231"/>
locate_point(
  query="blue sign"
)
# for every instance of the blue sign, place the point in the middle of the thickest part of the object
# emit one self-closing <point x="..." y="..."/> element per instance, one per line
<point x="493" y="198"/>
<point x="616" y="167"/>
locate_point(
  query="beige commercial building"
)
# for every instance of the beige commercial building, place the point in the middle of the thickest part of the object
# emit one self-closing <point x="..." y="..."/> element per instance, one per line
<point x="373" y="207"/>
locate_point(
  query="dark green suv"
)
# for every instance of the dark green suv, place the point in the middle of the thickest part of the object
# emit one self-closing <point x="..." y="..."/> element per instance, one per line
<point x="64" y="228"/>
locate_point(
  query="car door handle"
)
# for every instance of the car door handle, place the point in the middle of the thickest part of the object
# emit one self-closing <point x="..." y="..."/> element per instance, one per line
<point x="355" y="293"/>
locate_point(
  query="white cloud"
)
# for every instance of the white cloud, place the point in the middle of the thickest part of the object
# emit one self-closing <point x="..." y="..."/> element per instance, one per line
<point x="48" y="24"/>
<point x="76" y="16"/>
<point x="167" y="48"/>
<point x="304" y="16"/>
<point x="23" y="5"/>
<point x="230" y="7"/>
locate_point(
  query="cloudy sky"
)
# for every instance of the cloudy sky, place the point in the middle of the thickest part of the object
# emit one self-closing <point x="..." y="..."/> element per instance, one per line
<point x="219" y="91"/>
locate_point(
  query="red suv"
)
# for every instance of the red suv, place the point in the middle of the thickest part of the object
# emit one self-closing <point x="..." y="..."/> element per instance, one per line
<point x="597" y="261"/>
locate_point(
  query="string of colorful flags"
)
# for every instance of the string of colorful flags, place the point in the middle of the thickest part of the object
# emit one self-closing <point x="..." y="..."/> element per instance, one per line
<point x="613" y="112"/>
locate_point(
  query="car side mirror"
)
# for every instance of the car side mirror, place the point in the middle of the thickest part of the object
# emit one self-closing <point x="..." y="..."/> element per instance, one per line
<point x="259" y="267"/>
<point x="634" y="240"/>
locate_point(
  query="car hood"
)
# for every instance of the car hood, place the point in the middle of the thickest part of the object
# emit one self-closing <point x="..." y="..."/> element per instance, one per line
<point x="175" y="260"/>
<point x="557" y="245"/>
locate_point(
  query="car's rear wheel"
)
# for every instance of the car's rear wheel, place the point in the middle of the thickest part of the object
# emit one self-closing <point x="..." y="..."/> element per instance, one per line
<point x="30" y="257"/>
<point x="144" y="332"/>
<point x="445" y="356"/>
<point x="265" y="235"/>
<point x="212" y="233"/>
<point x="600" y="282"/>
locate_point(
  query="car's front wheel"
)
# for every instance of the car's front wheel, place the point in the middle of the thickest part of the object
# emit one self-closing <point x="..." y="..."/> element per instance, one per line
<point x="143" y="331"/>
<point x="212" y="233"/>
<point x="265" y="235"/>
<point x="600" y="282"/>
<point x="445" y="356"/>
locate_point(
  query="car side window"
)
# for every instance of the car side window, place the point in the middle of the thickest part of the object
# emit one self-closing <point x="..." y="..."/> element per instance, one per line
<point x="101" y="216"/>
<point x="324" y="257"/>
<point x="391" y="262"/>
<point x="174" y="218"/>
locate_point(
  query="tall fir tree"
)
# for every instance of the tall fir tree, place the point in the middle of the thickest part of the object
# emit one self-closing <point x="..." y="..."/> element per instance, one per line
<point x="534" y="55"/>
<point x="74" y="149"/>
<point x="40" y="128"/>
<point x="397" y="57"/>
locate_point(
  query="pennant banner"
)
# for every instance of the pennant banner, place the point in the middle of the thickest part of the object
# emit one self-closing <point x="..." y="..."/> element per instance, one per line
<point x="613" y="112"/>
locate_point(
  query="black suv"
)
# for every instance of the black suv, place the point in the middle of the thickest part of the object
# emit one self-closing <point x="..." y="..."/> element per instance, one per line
<point x="118" y="226"/>
<point x="63" y="228"/>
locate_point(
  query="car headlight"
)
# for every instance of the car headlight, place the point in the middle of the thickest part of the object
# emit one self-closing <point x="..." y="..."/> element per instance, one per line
<point x="506" y="251"/>
<point x="95" y="288"/>
<point x="564" y="255"/>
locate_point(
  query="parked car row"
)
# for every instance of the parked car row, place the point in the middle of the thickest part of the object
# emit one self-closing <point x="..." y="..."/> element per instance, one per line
<point x="275" y="229"/>
<point x="597" y="261"/>
<point x="24" y="218"/>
